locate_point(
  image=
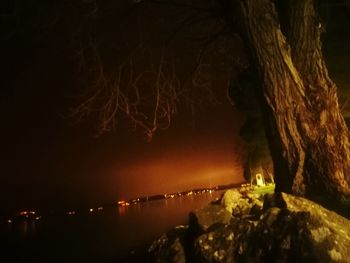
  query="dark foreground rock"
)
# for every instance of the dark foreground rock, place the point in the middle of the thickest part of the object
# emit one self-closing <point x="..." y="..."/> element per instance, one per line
<point x="170" y="246"/>
<point x="282" y="228"/>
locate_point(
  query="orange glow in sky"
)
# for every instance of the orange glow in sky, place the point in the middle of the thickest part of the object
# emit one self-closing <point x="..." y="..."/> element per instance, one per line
<point x="178" y="170"/>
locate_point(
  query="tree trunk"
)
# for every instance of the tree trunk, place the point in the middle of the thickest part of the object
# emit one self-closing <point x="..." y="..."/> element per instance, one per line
<point x="327" y="165"/>
<point x="307" y="134"/>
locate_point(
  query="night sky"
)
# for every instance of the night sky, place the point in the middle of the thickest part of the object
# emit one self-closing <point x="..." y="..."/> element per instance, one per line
<point x="48" y="160"/>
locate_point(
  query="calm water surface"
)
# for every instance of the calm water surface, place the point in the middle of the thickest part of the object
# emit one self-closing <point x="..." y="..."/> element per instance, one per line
<point x="115" y="234"/>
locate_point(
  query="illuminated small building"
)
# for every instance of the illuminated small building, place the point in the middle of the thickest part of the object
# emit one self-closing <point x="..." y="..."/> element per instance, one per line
<point x="260" y="181"/>
<point x="260" y="177"/>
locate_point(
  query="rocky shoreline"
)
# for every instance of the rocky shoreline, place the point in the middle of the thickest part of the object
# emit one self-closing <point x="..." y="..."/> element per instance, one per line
<point x="247" y="227"/>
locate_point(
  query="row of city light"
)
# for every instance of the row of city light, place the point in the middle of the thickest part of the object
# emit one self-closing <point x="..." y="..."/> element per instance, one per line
<point x="91" y="210"/>
<point x="100" y="208"/>
<point x="31" y="215"/>
<point x="124" y="203"/>
<point x="26" y="215"/>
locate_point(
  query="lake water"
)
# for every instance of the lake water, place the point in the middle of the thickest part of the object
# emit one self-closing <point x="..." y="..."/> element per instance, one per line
<point x="114" y="234"/>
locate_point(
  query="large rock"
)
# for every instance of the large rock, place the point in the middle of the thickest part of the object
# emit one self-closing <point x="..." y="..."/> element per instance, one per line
<point x="234" y="202"/>
<point x="240" y="201"/>
<point x="289" y="229"/>
<point x="284" y="228"/>
<point x="169" y="247"/>
<point x="213" y="214"/>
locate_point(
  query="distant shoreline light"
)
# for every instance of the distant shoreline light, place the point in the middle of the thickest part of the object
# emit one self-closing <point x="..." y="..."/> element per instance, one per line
<point x="33" y="215"/>
<point x="210" y="190"/>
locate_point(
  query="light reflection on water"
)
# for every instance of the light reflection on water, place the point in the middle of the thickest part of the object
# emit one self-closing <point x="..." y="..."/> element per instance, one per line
<point x="28" y="228"/>
<point x="101" y="236"/>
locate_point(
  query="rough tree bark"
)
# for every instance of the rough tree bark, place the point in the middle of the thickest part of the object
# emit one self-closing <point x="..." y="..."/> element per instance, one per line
<point x="328" y="157"/>
<point x="308" y="137"/>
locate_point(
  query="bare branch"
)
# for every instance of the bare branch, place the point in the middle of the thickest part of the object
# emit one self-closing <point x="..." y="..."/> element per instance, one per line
<point x="147" y="99"/>
<point x="144" y="86"/>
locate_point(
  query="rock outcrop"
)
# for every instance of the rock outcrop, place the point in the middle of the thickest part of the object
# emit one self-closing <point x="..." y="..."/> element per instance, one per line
<point x="245" y="228"/>
<point x="169" y="247"/>
<point x="200" y="220"/>
<point x="239" y="202"/>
